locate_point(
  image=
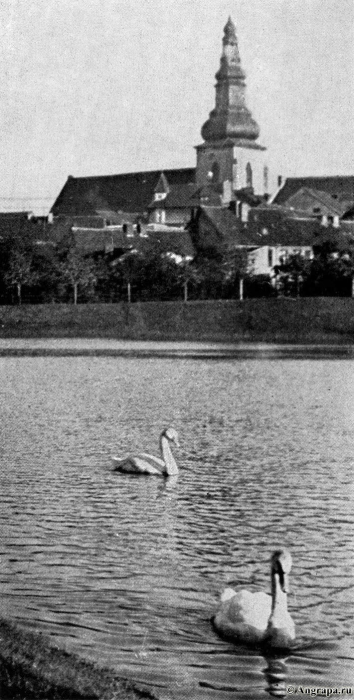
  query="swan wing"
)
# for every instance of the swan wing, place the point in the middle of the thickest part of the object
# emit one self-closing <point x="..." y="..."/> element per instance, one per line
<point x="243" y="616"/>
<point x="155" y="461"/>
<point x="137" y="465"/>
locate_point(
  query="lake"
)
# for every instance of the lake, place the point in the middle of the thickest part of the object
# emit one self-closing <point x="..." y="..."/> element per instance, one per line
<point x="127" y="570"/>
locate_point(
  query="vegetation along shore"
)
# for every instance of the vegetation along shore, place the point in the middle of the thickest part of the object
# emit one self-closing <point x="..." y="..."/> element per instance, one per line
<point x="280" y="320"/>
<point x="31" y="667"/>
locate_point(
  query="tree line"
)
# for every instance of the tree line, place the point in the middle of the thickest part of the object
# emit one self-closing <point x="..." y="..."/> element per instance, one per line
<point x="35" y="271"/>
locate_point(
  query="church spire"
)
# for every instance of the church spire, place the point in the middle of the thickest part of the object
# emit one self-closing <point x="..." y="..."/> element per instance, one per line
<point x="230" y="118"/>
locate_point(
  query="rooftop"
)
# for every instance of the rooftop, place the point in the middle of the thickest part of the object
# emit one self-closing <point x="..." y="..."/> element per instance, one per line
<point x="126" y="192"/>
<point x="340" y="188"/>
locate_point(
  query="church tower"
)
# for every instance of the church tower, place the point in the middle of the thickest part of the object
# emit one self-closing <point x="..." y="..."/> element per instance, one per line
<point x="230" y="157"/>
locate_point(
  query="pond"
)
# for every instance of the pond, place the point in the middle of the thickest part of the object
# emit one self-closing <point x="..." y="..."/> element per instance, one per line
<point x="127" y="570"/>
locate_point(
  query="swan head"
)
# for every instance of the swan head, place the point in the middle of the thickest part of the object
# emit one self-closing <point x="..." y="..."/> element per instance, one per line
<point x="171" y="435"/>
<point x="281" y="563"/>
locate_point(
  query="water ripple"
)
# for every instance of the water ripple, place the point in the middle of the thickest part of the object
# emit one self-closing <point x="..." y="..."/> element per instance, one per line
<point x="128" y="571"/>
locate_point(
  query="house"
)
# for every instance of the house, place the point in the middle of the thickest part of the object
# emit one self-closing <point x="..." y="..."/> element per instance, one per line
<point x="330" y="197"/>
<point x="268" y="237"/>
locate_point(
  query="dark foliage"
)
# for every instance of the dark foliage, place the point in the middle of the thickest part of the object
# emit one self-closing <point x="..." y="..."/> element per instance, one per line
<point x="43" y="271"/>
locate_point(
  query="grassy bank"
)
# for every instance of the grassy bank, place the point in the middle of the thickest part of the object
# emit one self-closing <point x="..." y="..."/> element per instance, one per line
<point x="283" y="320"/>
<point x="31" y="668"/>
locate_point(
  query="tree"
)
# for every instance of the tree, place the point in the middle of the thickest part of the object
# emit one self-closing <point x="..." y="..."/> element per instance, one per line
<point x="21" y="271"/>
<point x="77" y="270"/>
<point x="332" y="270"/>
<point x="186" y="272"/>
<point x="129" y="265"/>
<point x="292" y="274"/>
<point x="234" y="269"/>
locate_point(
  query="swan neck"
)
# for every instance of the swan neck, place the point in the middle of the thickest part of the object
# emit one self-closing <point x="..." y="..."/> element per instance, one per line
<point x="167" y="456"/>
<point x="279" y="597"/>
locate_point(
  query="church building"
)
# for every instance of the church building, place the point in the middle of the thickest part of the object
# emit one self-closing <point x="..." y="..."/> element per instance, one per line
<point x="231" y="156"/>
<point x="231" y="165"/>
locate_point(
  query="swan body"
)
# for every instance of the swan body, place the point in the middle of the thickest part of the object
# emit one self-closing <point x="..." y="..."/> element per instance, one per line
<point x="258" y="618"/>
<point x="145" y="463"/>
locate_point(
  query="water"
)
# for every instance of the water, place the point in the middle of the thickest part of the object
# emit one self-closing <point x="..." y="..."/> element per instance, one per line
<point x="127" y="571"/>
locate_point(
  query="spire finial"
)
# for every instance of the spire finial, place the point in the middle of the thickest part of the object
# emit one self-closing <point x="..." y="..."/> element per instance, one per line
<point x="229" y="32"/>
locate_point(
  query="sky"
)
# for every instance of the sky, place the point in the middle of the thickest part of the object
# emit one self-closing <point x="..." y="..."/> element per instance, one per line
<point x="92" y="87"/>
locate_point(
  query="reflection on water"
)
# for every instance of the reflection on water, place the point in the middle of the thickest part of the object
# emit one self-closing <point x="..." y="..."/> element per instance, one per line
<point x="127" y="570"/>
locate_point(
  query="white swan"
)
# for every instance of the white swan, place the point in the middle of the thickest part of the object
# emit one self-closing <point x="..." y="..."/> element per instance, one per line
<point x="255" y="618"/>
<point x="148" y="464"/>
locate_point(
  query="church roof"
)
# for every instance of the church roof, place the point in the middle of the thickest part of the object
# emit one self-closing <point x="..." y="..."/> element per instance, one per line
<point x="178" y="197"/>
<point x="126" y="192"/>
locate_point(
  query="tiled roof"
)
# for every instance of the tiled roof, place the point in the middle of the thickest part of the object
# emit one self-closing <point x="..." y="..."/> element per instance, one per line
<point x="179" y="197"/>
<point x="293" y="232"/>
<point x="127" y="192"/>
<point x="100" y="240"/>
<point x="109" y="239"/>
<point x="170" y="241"/>
<point x="279" y="226"/>
<point x="335" y="206"/>
<point x="341" y="187"/>
<point x="13" y="225"/>
<point x="343" y="239"/>
<point x="225" y="223"/>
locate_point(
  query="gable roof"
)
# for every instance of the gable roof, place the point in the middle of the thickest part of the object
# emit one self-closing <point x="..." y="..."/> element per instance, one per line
<point x="162" y="185"/>
<point x="279" y="226"/>
<point x="341" y="188"/>
<point x="127" y="192"/>
<point x="334" y="206"/>
<point x="224" y="221"/>
<point x="178" y="197"/>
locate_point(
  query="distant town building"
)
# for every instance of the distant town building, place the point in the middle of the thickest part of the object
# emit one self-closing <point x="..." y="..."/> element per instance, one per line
<point x="231" y="195"/>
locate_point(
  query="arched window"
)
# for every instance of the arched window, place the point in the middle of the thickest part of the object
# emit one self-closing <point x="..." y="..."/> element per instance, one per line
<point x="265" y="179"/>
<point x="249" y="176"/>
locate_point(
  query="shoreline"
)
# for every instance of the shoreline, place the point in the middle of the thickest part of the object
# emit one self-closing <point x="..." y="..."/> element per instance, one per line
<point x="304" y="321"/>
<point x="32" y="667"/>
<point x="109" y="347"/>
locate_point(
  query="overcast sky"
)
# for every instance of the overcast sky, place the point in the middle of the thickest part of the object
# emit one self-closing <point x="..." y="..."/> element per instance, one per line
<point x="94" y="87"/>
